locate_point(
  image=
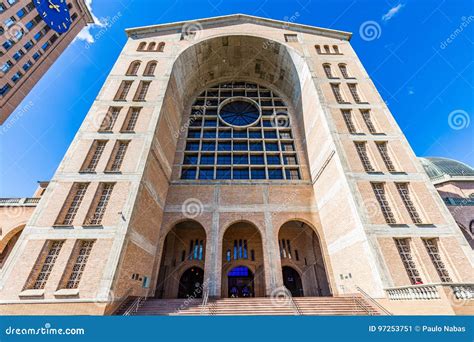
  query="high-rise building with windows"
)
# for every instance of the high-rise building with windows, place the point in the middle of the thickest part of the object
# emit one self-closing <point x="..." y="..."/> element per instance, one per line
<point x="242" y="158"/>
<point x="31" y="42"/>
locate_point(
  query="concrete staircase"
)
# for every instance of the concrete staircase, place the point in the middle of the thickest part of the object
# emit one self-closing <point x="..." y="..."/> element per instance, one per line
<point x="259" y="306"/>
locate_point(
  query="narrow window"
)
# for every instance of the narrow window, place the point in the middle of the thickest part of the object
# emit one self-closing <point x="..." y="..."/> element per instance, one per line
<point x="297" y="256"/>
<point x="431" y="246"/>
<point x="326" y="49"/>
<point x="150" y="69"/>
<point x="161" y="47"/>
<point x="117" y="157"/>
<point x="337" y="92"/>
<point x="131" y="119"/>
<point x="344" y="72"/>
<point x="409" y="205"/>
<point x="133" y="68"/>
<point x="327" y="70"/>
<point x="354" y="93"/>
<point x="318" y="49"/>
<point x="292" y="38"/>
<point x="383" y="149"/>
<point x="403" y="246"/>
<point x="123" y="91"/>
<point x="43" y="267"/>
<point x="151" y="46"/>
<point x="102" y="197"/>
<point x="93" y="156"/>
<point x="364" y="157"/>
<point x="368" y="121"/>
<point x="336" y="49"/>
<point x="142" y="91"/>
<point x="73" y="202"/>
<point x="78" y="263"/>
<point x="379" y="191"/>
<point x="109" y="120"/>
<point x="347" y="115"/>
<point x="141" y="46"/>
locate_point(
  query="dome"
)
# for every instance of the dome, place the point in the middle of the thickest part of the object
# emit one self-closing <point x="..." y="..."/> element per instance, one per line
<point x="437" y="167"/>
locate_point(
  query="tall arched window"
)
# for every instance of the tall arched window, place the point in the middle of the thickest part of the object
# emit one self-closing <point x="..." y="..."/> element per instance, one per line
<point x="141" y="46"/>
<point x="344" y="72"/>
<point x="327" y="70"/>
<point x="133" y="68"/>
<point x="161" y="47"/>
<point x="151" y="46"/>
<point x="150" y="69"/>
<point x="240" y="131"/>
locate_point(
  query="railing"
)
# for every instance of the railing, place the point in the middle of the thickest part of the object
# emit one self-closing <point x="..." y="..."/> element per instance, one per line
<point x="361" y="305"/>
<point x="297" y="309"/>
<point x="430" y="291"/>
<point x="8" y="202"/>
<point x="117" y="303"/>
<point x="133" y="308"/>
<point x="373" y="301"/>
<point x="205" y="299"/>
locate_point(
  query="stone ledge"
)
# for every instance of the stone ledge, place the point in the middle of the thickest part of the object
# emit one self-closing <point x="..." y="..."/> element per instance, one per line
<point x="31" y="293"/>
<point x="66" y="292"/>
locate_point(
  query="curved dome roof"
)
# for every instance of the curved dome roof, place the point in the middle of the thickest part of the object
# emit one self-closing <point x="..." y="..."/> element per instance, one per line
<point x="437" y="167"/>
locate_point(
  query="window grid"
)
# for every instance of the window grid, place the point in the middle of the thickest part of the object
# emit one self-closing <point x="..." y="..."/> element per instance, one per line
<point x="119" y="156"/>
<point x="98" y="213"/>
<point x="142" y="90"/>
<point x="47" y="265"/>
<point x="110" y="119"/>
<point x="133" y="68"/>
<point x="364" y="157"/>
<point x="368" y="121"/>
<point x="344" y="72"/>
<point x="379" y="191"/>
<point x="80" y="263"/>
<point x="132" y="119"/>
<point x="337" y="92"/>
<point x="409" y="205"/>
<point x="150" y="69"/>
<point x="403" y="246"/>
<point x="431" y="246"/>
<point x="215" y="150"/>
<point x="196" y="250"/>
<point x="328" y="71"/>
<point x="80" y="191"/>
<point x="354" y="93"/>
<point x="123" y="91"/>
<point x="383" y="149"/>
<point x="347" y="115"/>
<point x="96" y="152"/>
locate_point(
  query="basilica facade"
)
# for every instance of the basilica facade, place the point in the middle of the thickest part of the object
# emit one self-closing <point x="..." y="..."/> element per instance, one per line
<point x="238" y="157"/>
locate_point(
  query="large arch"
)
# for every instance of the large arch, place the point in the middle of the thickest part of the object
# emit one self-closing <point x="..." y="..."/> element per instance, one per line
<point x="242" y="247"/>
<point x="300" y="250"/>
<point x="8" y="242"/>
<point x="184" y="249"/>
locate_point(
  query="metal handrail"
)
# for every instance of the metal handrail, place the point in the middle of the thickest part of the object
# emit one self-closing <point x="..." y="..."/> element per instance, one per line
<point x="372" y="300"/>
<point x="205" y="299"/>
<point x="295" y="306"/>
<point x="137" y="303"/>
<point x="117" y="303"/>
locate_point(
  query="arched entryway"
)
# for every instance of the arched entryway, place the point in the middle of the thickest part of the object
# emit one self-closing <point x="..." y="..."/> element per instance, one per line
<point x="240" y="282"/>
<point x="183" y="250"/>
<point x="292" y="281"/>
<point x="242" y="262"/>
<point x="300" y="249"/>
<point x="191" y="283"/>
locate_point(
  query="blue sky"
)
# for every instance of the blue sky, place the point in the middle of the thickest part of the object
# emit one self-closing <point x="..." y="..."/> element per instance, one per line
<point x="426" y="80"/>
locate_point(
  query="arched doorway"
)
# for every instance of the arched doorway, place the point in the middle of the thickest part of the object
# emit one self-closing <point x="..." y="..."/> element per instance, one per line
<point x="242" y="262"/>
<point x="300" y="248"/>
<point x="292" y="281"/>
<point x="191" y="282"/>
<point x="240" y="282"/>
<point x="183" y="249"/>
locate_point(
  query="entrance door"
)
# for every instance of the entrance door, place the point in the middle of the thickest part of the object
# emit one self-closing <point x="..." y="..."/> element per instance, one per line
<point x="190" y="284"/>
<point x="292" y="281"/>
<point x="240" y="282"/>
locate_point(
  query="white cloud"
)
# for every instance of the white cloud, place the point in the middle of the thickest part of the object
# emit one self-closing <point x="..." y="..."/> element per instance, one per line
<point x="392" y="11"/>
<point x="85" y="34"/>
